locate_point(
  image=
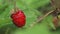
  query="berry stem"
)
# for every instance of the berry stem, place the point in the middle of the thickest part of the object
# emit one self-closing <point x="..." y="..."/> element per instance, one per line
<point x="15" y="5"/>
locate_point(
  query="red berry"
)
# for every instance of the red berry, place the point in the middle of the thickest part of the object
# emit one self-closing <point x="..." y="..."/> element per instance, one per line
<point x="19" y="18"/>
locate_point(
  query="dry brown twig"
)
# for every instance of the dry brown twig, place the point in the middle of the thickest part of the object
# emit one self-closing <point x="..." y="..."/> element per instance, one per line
<point x="38" y="20"/>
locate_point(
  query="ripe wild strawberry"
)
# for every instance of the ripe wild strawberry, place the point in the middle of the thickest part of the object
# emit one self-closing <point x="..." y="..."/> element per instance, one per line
<point x="19" y="18"/>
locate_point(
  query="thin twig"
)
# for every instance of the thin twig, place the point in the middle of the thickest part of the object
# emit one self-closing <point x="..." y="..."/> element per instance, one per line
<point x="38" y="20"/>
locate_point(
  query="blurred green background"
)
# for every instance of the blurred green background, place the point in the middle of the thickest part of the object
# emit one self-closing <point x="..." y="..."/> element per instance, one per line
<point x="30" y="9"/>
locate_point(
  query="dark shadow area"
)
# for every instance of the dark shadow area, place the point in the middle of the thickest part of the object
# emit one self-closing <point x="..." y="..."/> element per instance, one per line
<point x="10" y="28"/>
<point x="44" y="9"/>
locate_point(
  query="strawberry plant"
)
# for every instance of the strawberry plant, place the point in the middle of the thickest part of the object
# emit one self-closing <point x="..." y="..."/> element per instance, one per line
<point x="29" y="7"/>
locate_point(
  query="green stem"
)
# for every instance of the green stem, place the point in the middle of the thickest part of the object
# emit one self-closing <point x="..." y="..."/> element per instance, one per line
<point x="15" y="5"/>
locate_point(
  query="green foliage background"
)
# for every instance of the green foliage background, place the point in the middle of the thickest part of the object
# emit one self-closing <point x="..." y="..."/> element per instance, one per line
<point x="30" y="9"/>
